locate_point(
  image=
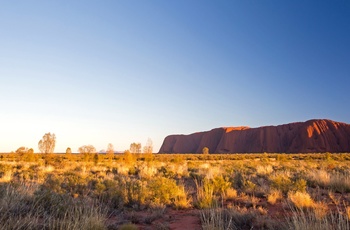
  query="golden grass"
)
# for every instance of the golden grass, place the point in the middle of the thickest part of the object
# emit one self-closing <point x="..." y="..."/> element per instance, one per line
<point x="348" y="212"/>
<point x="237" y="187"/>
<point x="274" y="196"/>
<point x="320" y="209"/>
<point x="182" y="200"/>
<point x="264" y="169"/>
<point x="231" y="193"/>
<point x="301" y="199"/>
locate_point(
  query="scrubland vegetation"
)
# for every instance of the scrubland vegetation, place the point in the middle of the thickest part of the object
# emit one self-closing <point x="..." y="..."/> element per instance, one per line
<point x="145" y="191"/>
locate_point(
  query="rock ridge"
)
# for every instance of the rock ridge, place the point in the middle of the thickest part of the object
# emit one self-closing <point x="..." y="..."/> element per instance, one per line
<point x="317" y="135"/>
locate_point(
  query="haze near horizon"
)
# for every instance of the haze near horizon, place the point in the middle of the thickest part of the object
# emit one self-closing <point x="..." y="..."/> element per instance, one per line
<point x="124" y="71"/>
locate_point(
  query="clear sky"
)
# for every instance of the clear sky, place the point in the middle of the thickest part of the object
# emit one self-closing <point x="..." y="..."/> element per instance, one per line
<point x="99" y="72"/>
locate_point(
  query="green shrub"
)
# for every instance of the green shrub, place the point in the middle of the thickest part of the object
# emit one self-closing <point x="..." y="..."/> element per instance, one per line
<point x="74" y="183"/>
<point x="238" y="180"/>
<point x="221" y="185"/>
<point x="163" y="189"/>
<point x="53" y="183"/>
<point x="300" y="185"/>
<point x="205" y="194"/>
<point x="282" y="183"/>
<point x="233" y="218"/>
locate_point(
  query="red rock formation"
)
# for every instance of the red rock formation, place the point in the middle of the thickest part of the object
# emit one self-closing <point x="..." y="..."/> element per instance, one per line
<point x="301" y="137"/>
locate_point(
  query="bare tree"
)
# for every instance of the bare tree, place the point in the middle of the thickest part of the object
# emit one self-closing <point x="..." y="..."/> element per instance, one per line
<point x="47" y="143"/>
<point x="148" y="148"/>
<point x="87" y="149"/>
<point x="138" y="148"/>
<point x="135" y="147"/>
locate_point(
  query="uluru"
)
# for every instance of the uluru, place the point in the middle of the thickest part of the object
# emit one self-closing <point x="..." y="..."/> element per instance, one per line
<point x="312" y="136"/>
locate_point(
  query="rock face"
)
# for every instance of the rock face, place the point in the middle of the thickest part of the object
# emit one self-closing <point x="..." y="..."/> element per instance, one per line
<point x="301" y="137"/>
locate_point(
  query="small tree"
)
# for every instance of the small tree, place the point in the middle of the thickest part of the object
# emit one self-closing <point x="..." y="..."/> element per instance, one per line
<point x="69" y="153"/>
<point x="110" y="152"/>
<point x="129" y="158"/>
<point x="25" y="154"/>
<point x="205" y="150"/>
<point x="29" y="156"/>
<point x="22" y="150"/>
<point x="87" y="151"/>
<point x="47" y="143"/>
<point x="135" y="147"/>
<point x="96" y="158"/>
<point x="30" y="151"/>
<point x="148" y="147"/>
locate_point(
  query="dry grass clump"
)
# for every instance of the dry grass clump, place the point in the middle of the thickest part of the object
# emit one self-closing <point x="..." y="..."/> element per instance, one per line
<point x="321" y="177"/>
<point x="301" y="199"/>
<point x="282" y="181"/>
<point x="147" y="171"/>
<point x="310" y="220"/>
<point x="348" y="212"/>
<point x="156" y="211"/>
<point x="123" y="169"/>
<point x="234" y="218"/>
<point x="6" y="172"/>
<point x="182" y="200"/>
<point x="340" y="182"/>
<point x="216" y="219"/>
<point x="47" y="169"/>
<point x="334" y="198"/>
<point x="274" y="196"/>
<point x="205" y="194"/>
<point x="321" y="210"/>
<point x="6" y="176"/>
<point x="28" y="207"/>
<point x="83" y="216"/>
<point x="264" y="169"/>
<point x="248" y="200"/>
<point x="231" y="193"/>
<point x="178" y="170"/>
<point x="336" y="181"/>
<point x="209" y="171"/>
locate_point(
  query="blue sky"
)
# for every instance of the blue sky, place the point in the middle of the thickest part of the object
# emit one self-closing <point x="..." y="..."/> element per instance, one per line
<point x="99" y="72"/>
